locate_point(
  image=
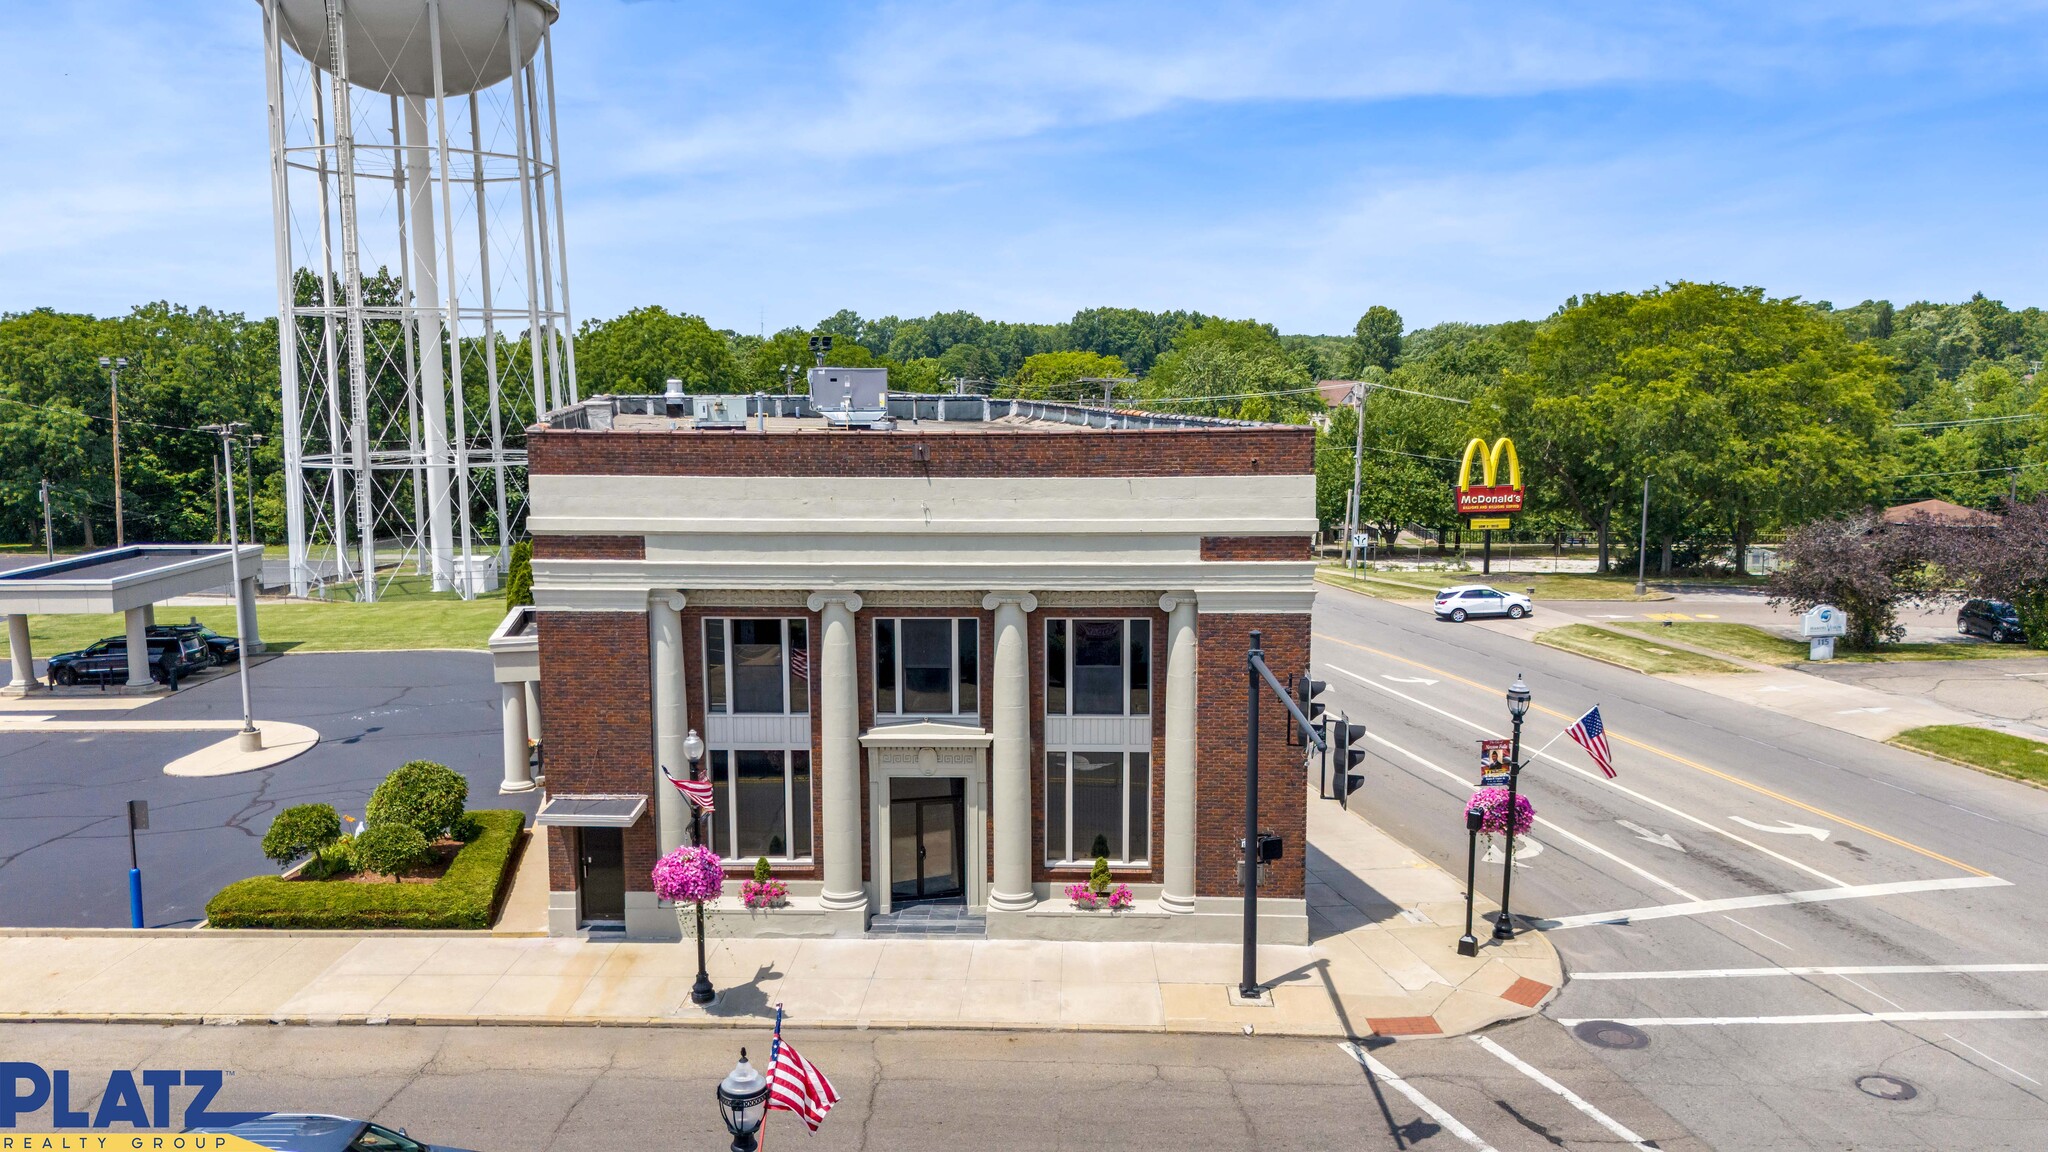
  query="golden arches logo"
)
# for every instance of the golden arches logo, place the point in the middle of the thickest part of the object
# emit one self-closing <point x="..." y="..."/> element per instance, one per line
<point x="1492" y="496"/>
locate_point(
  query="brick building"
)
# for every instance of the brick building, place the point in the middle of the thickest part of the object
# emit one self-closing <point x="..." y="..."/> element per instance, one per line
<point x="950" y="652"/>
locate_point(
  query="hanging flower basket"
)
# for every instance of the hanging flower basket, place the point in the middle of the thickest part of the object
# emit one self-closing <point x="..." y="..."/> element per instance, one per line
<point x="689" y="875"/>
<point x="1492" y="804"/>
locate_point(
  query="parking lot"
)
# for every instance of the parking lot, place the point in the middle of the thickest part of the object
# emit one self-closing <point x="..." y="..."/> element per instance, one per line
<point x="63" y="836"/>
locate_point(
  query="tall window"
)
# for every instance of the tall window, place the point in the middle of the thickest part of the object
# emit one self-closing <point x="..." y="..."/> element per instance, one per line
<point x="926" y="667"/>
<point x="1098" y="759"/>
<point x="757" y="694"/>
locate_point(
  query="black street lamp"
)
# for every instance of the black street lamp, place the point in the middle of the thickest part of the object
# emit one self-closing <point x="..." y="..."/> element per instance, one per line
<point x="742" y="1101"/>
<point x="1518" y="707"/>
<point x="701" y="992"/>
<point x="1475" y="818"/>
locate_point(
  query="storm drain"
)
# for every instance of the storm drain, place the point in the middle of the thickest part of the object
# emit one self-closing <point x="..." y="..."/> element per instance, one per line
<point x="1611" y="1034"/>
<point x="1885" y="1087"/>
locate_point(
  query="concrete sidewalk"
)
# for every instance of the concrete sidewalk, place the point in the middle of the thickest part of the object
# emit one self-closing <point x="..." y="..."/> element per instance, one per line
<point x="1383" y="921"/>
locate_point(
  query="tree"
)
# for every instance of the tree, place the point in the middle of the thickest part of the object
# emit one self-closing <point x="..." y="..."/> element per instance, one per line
<point x="1858" y="564"/>
<point x="1052" y="375"/>
<point x="1376" y="341"/>
<point x="2008" y="562"/>
<point x="639" y="352"/>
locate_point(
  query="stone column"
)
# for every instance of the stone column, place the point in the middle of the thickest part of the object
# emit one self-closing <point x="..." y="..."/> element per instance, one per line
<point x="837" y="699"/>
<point x="245" y="616"/>
<point x="512" y="719"/>
<point x="149" y="615"/>
<point x="671" y="718"/>
<point x="138" y="647"/>
<point x="1010" y="752"/>
<point x="533" y="710"/>
<point x="1178" y="893"/>
<point x="21" y="655"/>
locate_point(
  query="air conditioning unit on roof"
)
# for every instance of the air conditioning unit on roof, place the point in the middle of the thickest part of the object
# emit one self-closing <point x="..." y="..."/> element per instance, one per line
<point x="719" y="411"/>
<point x="851" y="397"/>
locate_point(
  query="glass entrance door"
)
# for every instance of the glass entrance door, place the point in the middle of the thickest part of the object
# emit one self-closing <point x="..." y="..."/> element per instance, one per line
<point x="926" y="857"/>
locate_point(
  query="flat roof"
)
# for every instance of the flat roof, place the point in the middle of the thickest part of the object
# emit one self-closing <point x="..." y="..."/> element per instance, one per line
<point x="927" y="413"/>
<point x="117" y="579"/>
<point x="128" y="561"/>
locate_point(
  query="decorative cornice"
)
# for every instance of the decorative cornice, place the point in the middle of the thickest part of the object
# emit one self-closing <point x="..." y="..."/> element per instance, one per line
<point x="1024" y="600"/>
<point x="818" y="600"/>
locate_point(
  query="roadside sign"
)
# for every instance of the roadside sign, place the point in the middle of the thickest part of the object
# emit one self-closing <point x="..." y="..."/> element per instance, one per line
<point x="1361" y="540"/>
<point x="1823" y="620"/>
<point x="1498" y="523"/>
<point x="1494" y="780"/>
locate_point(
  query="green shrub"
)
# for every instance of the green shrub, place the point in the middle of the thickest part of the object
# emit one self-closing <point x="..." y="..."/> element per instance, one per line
<point x="465" y="828"/>
<point x="300" y="829"/>
<point x="519" y="576"/>
<point x="463" y="898"/>
<point x="1098" y="876"/>
<point x="422" y="795"/>
<point x="390" y="849"/>
<point x="761" y="869"/>
<point x="331" y="860"/>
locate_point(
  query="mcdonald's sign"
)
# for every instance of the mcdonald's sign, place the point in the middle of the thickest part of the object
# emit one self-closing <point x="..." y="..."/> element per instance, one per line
<point x="1491" y="498"/>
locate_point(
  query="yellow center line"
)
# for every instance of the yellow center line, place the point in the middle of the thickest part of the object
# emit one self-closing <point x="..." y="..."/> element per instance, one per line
<point x="1677" y="759"/>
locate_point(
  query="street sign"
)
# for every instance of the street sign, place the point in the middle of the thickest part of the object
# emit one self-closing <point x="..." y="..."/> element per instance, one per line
<point x="1494" y="780"/>
<point x="1823" y="620"/>
<point x="1361" y="539"/>
<point x="1498" y="523"/>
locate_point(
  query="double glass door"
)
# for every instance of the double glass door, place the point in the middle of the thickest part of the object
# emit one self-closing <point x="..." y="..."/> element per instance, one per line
<point x="927" y="859"/>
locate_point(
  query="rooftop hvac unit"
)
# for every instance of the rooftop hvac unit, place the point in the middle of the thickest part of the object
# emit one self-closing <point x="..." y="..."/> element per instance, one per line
<point x="719" y="411"/>
<point x="851" y="397"/>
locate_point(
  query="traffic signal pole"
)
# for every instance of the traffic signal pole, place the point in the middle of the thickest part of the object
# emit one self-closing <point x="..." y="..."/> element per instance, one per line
<point x="1253" y="851"/>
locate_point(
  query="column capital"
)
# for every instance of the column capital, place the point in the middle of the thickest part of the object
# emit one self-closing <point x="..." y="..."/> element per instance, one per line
<point x="1172" y="600"/>
<point x="818" y="600"/>
<point x="673" y="598"/>
<point x="1024" y="600"/>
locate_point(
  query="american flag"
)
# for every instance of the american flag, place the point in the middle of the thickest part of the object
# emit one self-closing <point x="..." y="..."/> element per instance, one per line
<point x="699" y="791"/>
<point x="795" y="1084"/>
<point x="799" y="663"/>
<point x="1591" y="735"/>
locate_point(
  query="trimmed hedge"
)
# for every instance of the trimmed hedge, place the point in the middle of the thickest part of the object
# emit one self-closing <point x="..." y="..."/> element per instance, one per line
<point x="464" y="897"/>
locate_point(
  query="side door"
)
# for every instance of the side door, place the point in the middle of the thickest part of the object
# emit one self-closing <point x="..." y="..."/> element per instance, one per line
<point x="1491" y="603"/>
<point x="104" y="661"/>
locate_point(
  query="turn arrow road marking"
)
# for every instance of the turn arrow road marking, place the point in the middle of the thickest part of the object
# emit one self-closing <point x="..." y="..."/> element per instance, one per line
<point x="1784" y="828"/>
<point x="1642" y="833"/>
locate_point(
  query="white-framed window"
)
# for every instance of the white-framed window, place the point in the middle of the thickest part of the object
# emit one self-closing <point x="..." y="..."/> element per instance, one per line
<point x="757" y="700"/>
<point x="1098" y="748"/>
<point x="1098" y="667"/>
<point x="1098" y="803"/>
<point x="927" y="666"/>
<point x="757" y="666"/>
<point x="762" y="803"/>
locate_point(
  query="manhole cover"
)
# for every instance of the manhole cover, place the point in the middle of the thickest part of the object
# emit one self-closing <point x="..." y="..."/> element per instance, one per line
<point x="1885" y="1087"/>
<point x="1611" y="1034"/>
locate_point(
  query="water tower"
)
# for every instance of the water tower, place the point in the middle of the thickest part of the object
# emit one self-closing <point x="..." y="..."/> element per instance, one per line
<point x="422" y="281"/>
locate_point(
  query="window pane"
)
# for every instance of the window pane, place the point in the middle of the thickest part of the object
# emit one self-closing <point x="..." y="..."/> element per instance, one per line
<point x="758" y="804"/>
<point x="969" y="665"/>
<point x="885" y="667"/>
<point x="1140" y="806"/>
<point x="800" y="803"/>
<point x="799" y="666"/>
<point x="757" y="666"/>
<point x="927" y="666"/>
<point x="720" y="819"/>
<point x="1098" y="669"/>
<point x="1056" y="668"/>
<point x="1141" y="667"/>
<point x="714" y="665"/>
<point x="1055" y="805"/>
<point x="1098" y="805"/>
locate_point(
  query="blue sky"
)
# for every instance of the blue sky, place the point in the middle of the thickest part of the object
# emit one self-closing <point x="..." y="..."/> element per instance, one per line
<point x="768" y="163"/>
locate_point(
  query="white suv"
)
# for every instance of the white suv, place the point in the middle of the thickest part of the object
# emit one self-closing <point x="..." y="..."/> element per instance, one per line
<point x="1481" y="600"/>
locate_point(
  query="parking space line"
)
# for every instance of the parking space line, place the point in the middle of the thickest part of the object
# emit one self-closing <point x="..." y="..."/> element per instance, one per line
<point x="1819" y="1018"/>
<point x="1677" y="759"/>
<point x="1993" y="1059"/>
<point x="1812" y="970"/>
<point x="1573" y="1098"/>
<point x="1771" y="900"/>
<point x="1429" y="1107"/>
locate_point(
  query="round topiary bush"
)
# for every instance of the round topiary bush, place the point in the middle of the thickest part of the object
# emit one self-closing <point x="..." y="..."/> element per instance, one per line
<point x="422" y="795"/>
<point x="301" y="829"/>
<point x="390" y="849"/>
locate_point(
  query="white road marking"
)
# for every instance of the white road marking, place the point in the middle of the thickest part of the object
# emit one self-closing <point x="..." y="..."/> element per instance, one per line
<point x="1862" y="711"/>
<point x="1826" y="1018"/>
<point x="1429" y="1107"/>
<point x="1630" y="792"/>
<point x="1994" y="1060"/>
<point x="1643" y="833"/>
<point x="1784" y="828"/>
<point x="1573" y="1098"/>
<point x="1747" y="928"/>
<point x="1872" y="991"/>
<point x="1407" y="679"/>
<point x="1812" y="970"/>
<point x="1568" y="834"/>
<point x="1526" y="847"/>
<point x="1771" y="900"/>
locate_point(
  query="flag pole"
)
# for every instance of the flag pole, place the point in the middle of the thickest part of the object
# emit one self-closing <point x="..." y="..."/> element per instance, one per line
<point x="774" y="1054"/>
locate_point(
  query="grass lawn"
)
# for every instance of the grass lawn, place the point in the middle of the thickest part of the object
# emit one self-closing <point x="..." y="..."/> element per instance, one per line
<point x="1629" y="652"/>
<point x="1996" y="752"/>
<point x="464" y="897"/>
<point x="1549" y="586"/>
<point x="1751" y="643"/>
<point x="339" y="626"/>
<point x="1384" y="589"/>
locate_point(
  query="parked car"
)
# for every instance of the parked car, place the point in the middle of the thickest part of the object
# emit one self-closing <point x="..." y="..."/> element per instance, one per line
<point x="106" y="661"/>
<point x="222" y="649"/>
<point x="1994" y="620"/>
<point x="1481" y="600"/>
<point x="308" y="1132"/>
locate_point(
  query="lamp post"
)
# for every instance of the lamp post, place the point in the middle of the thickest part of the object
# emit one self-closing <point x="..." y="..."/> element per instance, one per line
<point x="701" y="992"/>
<point x="742" y="1102"/>
<point x="1518" y="707"/>
<point x="251" y="738"/>
<point x="1475" y="818"/>
<point x="113" y="367"/>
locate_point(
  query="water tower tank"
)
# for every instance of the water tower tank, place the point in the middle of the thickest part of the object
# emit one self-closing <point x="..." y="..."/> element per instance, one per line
<point x="389" y="43"/>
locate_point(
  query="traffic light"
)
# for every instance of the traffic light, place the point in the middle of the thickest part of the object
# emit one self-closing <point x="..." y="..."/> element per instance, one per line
<point x="1306" y="690"/>
<point x="1346" y="755"/>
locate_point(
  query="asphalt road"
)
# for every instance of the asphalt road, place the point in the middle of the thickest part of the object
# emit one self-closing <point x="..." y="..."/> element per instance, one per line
<point x="596" y="1089"/>
<point x="1761" y="1022"/>
<point x="63" y="796"/>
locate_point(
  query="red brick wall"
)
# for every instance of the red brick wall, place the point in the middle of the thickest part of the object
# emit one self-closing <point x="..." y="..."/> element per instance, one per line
<point x="1265" y="450"/>
<point x="597" y="721"/>
<point x="1257" y="548"/>
<point x="1220" y="752"/>
<point x="590" y="547"/>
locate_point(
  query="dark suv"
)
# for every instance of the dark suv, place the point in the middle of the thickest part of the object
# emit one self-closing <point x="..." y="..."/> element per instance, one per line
<point x="1992" y="619"/>
<point x="219" y="649"/>
<point x="106" y="661"/>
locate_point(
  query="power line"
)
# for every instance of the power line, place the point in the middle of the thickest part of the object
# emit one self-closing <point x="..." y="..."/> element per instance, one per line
<point x="1970" y="471"/>
<point x="1973" y="420"/>
<point x="102" y="419"/>
<point x="1396" y="452"/>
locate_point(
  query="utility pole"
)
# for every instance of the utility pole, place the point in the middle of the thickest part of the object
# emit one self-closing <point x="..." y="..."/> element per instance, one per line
<point x="216" y="500"/>
<point x="249" y="478"/>
<point x="113" y="368"/>
<point x="49" y="539"/>
<point x="1351" y="513"/>
<point x="1643" y="538"/>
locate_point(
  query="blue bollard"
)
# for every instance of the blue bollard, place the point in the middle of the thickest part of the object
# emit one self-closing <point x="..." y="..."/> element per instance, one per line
<point x="135" y="897"/>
